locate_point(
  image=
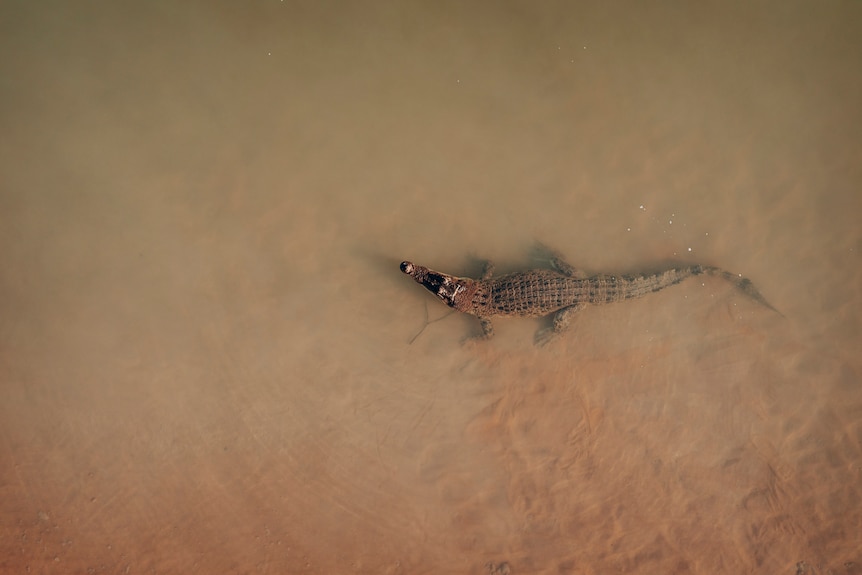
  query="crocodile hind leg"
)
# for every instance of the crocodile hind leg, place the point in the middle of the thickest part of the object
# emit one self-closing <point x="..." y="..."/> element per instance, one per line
<point x="562" y="319"/>
<point x="557" y="261"/>
<point x="566" y="268"/>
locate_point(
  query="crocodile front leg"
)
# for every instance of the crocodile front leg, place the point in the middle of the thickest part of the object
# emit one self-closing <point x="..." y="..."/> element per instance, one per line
<point x="487" y="329"/>
<point x="487" y="269"/>
<point x="485" y="322"/>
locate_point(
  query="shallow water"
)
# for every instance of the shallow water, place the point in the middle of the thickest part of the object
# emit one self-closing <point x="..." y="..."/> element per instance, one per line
<point x="207" y="353"/>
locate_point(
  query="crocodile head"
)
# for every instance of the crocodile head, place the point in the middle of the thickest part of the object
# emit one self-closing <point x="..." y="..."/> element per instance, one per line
<point x="444" y="286"/>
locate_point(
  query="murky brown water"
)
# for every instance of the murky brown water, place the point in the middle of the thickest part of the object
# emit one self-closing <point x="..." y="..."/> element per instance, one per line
<point x="205" y="342"/>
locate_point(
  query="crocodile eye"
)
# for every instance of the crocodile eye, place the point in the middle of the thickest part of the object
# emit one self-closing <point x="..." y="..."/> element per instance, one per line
<point x="407" y="268"/>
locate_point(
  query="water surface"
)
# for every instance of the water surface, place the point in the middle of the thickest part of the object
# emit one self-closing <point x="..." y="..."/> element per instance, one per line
<point x="207" y="353"/>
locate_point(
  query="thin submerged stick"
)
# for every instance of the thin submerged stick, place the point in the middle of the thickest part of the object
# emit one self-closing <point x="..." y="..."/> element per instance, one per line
<point x="427" y="322"/>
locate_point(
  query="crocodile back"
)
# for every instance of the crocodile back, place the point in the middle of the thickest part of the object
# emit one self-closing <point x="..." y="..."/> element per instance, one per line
<point x="540" y="292"/>
<point x="533" y="293"/>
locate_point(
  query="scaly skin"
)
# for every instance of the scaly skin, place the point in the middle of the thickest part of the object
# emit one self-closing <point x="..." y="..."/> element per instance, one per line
<point x="562" y="291"/>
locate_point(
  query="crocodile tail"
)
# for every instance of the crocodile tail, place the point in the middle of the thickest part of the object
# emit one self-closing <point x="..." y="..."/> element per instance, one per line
<point x="741" y="283"/>
<point x="636" y="286"/>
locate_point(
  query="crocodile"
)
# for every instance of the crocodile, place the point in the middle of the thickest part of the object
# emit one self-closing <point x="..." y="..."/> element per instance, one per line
<point x="562" y="290"/>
